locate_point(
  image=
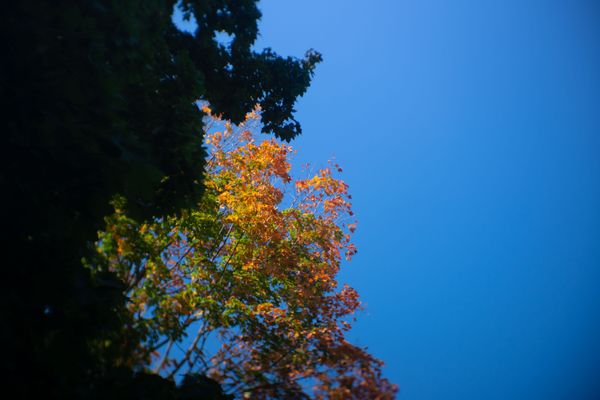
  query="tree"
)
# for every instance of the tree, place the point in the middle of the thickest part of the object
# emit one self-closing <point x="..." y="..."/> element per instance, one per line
<point x="99" y="99"/>
<point x="254" y="267"/>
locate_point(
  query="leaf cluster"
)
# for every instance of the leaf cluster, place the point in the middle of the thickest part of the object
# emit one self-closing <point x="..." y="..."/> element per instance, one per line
<point x="253" y="267"/>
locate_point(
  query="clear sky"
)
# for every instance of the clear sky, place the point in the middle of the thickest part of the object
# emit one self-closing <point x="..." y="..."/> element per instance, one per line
<point x="469" y="132"/>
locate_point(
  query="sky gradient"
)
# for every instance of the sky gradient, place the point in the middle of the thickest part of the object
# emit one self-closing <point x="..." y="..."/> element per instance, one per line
<point x="469" y="132"/>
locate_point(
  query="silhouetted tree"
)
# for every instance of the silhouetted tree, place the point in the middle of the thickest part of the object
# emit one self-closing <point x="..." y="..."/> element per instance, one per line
<point x="99" y="98"/>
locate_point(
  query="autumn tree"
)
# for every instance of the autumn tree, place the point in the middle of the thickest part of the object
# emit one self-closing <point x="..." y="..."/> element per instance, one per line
<point x="98" y="99"/>
<point x="253" y="267"/>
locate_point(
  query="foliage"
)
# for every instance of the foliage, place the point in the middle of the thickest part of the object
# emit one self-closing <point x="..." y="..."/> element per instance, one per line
<point x="253" y="266"/>
<point x="99" y="98"/>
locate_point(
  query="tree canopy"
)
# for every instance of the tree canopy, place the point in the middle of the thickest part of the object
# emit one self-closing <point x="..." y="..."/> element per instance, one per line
<point x="99" y="99"/>
<point x="253" y="267"/>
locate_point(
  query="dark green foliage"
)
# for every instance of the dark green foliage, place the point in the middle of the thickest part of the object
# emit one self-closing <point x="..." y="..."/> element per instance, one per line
<point x="98" y="99"/>
<point x="200" y="387"/>
<point x="122" y="383"/>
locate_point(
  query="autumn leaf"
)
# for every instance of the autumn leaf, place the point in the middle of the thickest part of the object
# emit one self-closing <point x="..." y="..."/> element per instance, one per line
<point x="253" y="270"/>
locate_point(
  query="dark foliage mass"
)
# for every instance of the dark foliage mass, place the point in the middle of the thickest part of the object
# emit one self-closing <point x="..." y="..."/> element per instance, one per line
<point x="99" y="99"/>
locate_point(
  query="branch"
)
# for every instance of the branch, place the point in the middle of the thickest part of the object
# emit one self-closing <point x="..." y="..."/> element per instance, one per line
<point x="188" y="352"/>
<point x="160" y="365"/>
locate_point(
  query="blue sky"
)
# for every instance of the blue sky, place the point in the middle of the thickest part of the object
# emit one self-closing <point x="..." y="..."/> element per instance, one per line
<point x="469" y="132"/>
